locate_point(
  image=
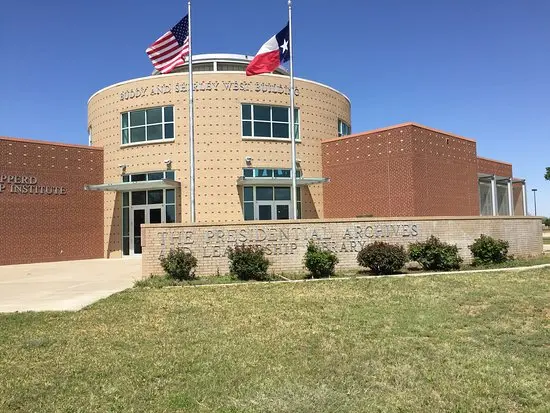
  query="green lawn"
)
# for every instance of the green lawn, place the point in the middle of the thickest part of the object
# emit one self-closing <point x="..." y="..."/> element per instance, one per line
<point x="460" y="343"/>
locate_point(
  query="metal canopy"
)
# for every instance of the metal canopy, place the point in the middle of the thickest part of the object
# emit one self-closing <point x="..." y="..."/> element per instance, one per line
<point x="488" y="177"/>
<point x="280" y="181"/>
<point x="134" y="186"/>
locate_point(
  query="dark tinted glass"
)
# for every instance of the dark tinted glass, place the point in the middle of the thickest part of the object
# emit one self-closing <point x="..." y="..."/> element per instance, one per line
<point x="264" y="193"/>
<point x="262" y="129"/>
<point x="169" y="131"/>
<point x="282" y="193"/>
<point x="170" y="213"/>
<point x="155" y="216"/>
<point x="280" y="130"/>
<point x="264" y="212"/>
<point x="247" y="128"/>
<point x="283" y="211"/>
<point x="170" y="196"/>
<point x="247" y="112"/>
<point x="154" y="115"/>
<point x="125" y="199"/>
<point x="248" y="172"/>
<point x="279" y="114"/>
<point x="248" y="193"/>
<point x="155" y="197"/>
<point x="248" y="211"/>
<point x="137" y="135"/>
<point x="137" y="118"/>
<point x="125" y="136"/>
<point x="125" y="120"/>
<point x="126" y="245"/>
<point x="262" y="112"/>
<point x="155" y="176"/>
<point x="139" y="198"/>
<point x="169" y="114"/>
<point x="139" y="177"/>
<point x="154" y="132"/>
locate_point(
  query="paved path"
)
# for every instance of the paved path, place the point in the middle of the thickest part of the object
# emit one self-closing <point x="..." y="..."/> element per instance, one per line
<point x="67" y="285"/>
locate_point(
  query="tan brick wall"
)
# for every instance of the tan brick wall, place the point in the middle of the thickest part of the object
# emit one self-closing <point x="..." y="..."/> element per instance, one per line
<point x="285" y="241"/>
<point x="41" y="227"/>
<point x="219" y="146"/>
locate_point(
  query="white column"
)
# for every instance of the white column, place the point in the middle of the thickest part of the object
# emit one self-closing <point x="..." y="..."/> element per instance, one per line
<point x="494" y="194"/>
<point x="510" y="198"/>
<point x="524" y="198"/>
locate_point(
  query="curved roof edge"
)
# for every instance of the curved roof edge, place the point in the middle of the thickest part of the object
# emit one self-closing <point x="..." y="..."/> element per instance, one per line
<point x="204" y="73"/>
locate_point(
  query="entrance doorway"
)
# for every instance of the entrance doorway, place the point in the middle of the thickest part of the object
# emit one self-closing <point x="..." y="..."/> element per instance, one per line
<point x="273" y="210"/>
<point x="143" y="214"/>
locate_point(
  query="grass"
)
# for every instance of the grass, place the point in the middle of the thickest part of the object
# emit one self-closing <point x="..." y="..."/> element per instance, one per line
<point x="460" y="343"/>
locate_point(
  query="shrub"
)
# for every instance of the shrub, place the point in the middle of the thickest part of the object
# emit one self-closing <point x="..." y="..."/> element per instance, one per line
<point x="546" y="222"/>
<point x="382" y="258"/>
<point x="248" y="262"/>
<point x="433" y="254"/>
<point x="487" y="250"/>
<point x="319" y="261"/>
<point x="179" y="264"/>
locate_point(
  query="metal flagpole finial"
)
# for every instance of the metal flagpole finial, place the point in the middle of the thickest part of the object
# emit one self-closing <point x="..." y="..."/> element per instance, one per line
<point x="289" y="3"/>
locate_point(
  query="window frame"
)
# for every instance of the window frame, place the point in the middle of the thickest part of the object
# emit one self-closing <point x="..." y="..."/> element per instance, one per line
<point x="251" y="120"/>
<point x="340" y="128"/>
<point x="163" y="123"/>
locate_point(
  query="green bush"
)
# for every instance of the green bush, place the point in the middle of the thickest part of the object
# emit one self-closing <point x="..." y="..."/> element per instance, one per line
<point x="248" y="262"/>
<point x="179" y="264"/>
<point x="487" y="250"/>
<point x="546" y="221"/>
<point x="433" y="254"/>
<point x="382" y="258"/>
<point x="320" y="262"/>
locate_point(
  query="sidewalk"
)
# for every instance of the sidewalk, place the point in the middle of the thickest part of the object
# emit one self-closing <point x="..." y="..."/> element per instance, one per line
<point x="67" y="285"/>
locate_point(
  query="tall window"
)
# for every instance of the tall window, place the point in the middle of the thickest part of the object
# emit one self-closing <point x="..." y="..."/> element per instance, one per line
<point x="343" y="128"/>
<point x="262" y="121"/>
<point x="147" y="125"/>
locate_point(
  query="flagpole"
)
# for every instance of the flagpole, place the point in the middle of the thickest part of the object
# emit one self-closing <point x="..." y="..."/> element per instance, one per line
<point x="292" y="132"/>
<point x="191" y="125"/>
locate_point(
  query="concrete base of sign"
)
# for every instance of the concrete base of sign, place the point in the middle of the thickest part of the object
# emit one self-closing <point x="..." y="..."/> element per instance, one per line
<point x="285" y="242"/>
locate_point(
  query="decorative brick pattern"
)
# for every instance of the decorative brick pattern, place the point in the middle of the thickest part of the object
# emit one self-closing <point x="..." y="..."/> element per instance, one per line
<point x="403" y="170"/>
<point x="285" y="241"/>
<point x="220" y="149"/>
<point x="40" y="227"/>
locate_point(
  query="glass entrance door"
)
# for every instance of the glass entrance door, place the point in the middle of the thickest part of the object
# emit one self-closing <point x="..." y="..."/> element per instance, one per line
<point x="273" y="210"/>
<point x="143" y="215"/>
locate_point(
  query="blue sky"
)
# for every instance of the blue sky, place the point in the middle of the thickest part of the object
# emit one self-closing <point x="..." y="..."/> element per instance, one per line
<point x="480" y="69"/>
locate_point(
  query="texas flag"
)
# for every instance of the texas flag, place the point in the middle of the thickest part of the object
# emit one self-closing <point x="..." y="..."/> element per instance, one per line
<point x="271" y="55"/>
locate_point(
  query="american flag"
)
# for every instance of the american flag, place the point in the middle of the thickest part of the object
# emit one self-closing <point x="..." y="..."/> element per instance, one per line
<point x="170" y="49"/>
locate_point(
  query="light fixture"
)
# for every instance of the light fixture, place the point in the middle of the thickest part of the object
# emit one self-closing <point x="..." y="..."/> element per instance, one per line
<point x="248" y="159"/>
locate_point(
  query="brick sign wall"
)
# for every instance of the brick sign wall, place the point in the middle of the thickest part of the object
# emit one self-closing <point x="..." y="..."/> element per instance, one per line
<point x="45" y="214"/>
<point x="285" y="241"/>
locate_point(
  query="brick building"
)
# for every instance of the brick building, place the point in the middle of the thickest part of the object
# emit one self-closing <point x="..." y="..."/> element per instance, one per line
<point x="45" y="213"/>
<point x="414" y="170"/>
<point x="136" y="169"/>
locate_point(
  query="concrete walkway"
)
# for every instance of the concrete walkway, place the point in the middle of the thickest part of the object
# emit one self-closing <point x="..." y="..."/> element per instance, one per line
<point x="67" y="285"/>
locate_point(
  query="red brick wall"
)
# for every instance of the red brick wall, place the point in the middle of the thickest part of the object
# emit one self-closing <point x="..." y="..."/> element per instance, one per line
<point x="370" y="174"/>
<point x="49" y="227"/>
<point x="492" y="167"/>
<point x="405" y="170"/>
<point x="444" y="174"/>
